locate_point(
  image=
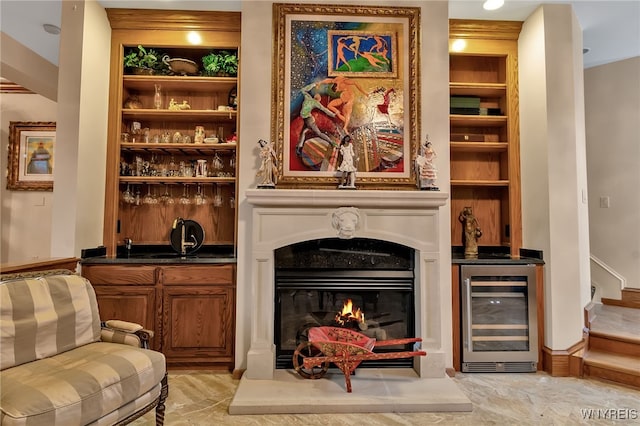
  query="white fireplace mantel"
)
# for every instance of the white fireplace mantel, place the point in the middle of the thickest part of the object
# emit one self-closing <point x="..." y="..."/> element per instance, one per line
<point x="287" y="216"/>
<point x="338" y="198"/>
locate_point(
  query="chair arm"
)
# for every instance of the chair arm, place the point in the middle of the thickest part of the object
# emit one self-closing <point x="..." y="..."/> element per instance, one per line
<point x="129" y="333"/>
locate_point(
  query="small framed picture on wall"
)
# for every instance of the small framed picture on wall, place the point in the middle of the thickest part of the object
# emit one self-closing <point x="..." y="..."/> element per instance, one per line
<point x="31" y="155"/>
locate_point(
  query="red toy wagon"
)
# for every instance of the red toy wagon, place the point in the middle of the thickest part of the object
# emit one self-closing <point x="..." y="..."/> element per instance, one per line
<point x="345" y="348"/>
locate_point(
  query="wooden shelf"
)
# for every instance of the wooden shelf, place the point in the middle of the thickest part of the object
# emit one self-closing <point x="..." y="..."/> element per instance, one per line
<point x="177" y="148"/>
<point x="178" y="83"/>
<point x="175" y="180"/>
<point x="182" y="115"/>
<point x="478" y="183"/>
<point x="479" y="146"/>
<point x="478" y="120"/>
<point x="483" y="90"/>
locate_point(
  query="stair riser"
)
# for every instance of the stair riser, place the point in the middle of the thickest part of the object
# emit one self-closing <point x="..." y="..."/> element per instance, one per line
<point x="622" y="303"/>
<point x="614" y="346"/>
<point x="631" y="295"/>
<point x="614" y="376"/>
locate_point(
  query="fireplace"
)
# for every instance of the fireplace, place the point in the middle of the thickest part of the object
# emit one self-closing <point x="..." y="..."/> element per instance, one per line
<point x="320" y="282"/>
<point x="369" y="225"/>
<point x="410" y="219"/>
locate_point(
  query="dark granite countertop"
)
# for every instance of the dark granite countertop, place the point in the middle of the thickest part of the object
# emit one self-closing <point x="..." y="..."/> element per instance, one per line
<point x="159" y="255"/>
<point x="496" y="256"/>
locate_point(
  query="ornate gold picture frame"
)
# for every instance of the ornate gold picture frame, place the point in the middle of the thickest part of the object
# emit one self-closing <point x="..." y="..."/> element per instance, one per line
<point x="31" y="155"/>
<point x="345" y="70"/>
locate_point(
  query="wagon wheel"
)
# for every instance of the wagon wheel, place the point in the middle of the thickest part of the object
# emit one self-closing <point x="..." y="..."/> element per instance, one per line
<point x="302" y="335"/>
<point x="306" y="350"/>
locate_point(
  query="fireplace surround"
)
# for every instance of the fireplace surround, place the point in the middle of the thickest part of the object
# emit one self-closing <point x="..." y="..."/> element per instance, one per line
<point x="409" y="218"/>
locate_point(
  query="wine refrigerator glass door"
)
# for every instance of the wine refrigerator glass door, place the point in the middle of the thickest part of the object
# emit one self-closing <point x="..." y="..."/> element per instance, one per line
<point x="499" y="318"/>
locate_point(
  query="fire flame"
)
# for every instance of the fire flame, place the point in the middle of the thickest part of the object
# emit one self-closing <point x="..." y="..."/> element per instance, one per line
<point x="347" y="314"/>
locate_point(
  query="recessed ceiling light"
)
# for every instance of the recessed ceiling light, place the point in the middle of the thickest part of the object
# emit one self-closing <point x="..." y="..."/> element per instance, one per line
<point x="458" y="45"/>
<point x="493" y="4"/>
<point x="51" y="29"/>
<point x="194" y="37"/>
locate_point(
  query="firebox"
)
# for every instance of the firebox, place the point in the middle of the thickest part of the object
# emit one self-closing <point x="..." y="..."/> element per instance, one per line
<point x="364" y="284"/>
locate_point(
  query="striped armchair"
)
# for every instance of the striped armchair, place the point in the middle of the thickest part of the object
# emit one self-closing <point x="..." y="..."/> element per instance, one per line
<point x="60" y="366"/>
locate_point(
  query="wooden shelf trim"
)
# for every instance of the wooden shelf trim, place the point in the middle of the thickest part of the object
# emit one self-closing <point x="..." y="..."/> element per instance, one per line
<point x="478" y="120"/>
<point x="172" y="83"/>
<point x="484" y="30"/>
<point x="484" y="90"/>
<point x="177" y="148"/>
<point x="174" y="20"/>
<point x="497" y="183"/>
<point x="479" y="146"/>
<point x="190" y="114"/>
<point x="175" y="180"/>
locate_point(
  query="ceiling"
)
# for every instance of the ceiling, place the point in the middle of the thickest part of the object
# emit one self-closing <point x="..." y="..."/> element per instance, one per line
<point x="611" y="29"/>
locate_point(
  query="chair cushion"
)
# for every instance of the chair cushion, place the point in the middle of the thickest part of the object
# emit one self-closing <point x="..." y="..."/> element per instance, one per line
<point x="80" y="386"/>
<point x="41" y="317"/>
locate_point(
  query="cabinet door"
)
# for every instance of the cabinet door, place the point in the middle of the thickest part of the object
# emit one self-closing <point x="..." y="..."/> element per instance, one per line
<point x="198" y="324"/>
<point x="130" y="303"/>
<point x="126" y="293"/>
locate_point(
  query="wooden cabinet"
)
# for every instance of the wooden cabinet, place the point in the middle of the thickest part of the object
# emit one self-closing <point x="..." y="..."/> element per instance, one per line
<point x="198" y="314"/>
<point x="152" y="155"/>
<point x="128" y="293"/>
<point x="485" y="154"/>
<point x="190" y="308"/>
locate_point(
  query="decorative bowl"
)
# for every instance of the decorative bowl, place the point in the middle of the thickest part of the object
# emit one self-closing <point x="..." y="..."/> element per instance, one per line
<point x="181" y="66"/>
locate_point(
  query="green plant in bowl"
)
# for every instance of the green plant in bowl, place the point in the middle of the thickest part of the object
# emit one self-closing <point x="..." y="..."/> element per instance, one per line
<point x="143" y="60"/>
<point x="220" y="63"/>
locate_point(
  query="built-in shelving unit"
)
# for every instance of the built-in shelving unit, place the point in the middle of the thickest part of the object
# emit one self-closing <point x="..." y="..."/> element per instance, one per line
<point x="485" y="155"/>
<point x="190" y="307"/>
<point x="162" y="160"/>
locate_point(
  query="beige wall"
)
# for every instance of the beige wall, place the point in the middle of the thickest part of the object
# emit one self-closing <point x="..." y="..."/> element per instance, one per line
<point x="554" y="184"/>
<point x="78" y="208"/>
<point x="70" y="218"/>
<point x="612" y="94"/>
<point x="25" y="215"/>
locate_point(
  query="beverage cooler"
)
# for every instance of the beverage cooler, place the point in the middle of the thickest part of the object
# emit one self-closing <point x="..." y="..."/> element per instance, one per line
<point x="499" y="332"/>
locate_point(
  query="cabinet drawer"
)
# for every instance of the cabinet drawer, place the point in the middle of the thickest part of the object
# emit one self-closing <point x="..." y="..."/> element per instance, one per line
<point x="120" y="274"/>
<point x="211" y="274"/>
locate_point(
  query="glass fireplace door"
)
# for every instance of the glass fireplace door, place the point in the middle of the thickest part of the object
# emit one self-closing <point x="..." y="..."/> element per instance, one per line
<point x="499" y="318"/>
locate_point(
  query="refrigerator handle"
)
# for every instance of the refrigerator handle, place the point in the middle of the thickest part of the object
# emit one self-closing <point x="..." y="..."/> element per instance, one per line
<point x="467" y="291"/>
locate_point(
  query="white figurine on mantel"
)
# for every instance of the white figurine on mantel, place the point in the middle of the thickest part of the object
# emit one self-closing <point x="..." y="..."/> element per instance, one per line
<point x="426" y="171"/>
<point x="347" y="166"/>
<point x="268" y="165"/>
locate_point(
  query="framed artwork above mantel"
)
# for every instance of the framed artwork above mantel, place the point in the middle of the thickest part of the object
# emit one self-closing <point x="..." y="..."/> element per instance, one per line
<point x="345" y="70"/>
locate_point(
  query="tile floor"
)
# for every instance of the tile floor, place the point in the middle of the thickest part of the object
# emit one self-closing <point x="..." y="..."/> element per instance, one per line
<point x="203" y="398"/>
